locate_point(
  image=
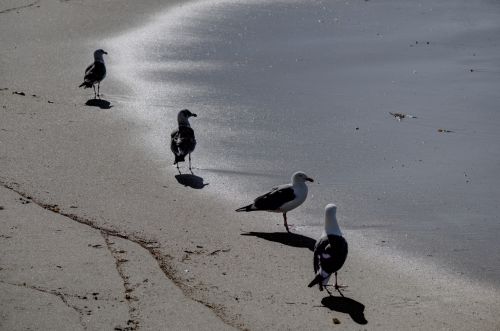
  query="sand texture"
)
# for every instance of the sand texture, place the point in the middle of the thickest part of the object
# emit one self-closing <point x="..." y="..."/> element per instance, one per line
<point x="98" y="234"/>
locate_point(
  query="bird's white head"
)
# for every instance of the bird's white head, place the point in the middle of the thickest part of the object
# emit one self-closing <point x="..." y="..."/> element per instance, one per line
<point x="331" y="224"/>
<point x="183" y="117"/>
<point x="300" y="177"/>
<point x="98" y="55"/>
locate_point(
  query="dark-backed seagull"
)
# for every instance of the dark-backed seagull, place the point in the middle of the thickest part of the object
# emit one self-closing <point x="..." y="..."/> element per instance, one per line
<point x="183" y="141"/>
<point x="95" y="72"/>
<point x="283" y="198"/>
<point x="330" y="251"/>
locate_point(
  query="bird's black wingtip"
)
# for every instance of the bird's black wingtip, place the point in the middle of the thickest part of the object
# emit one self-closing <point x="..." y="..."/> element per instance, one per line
<point x="85" y="85"/>
<point x="179" y="158"/>
<point x="315" y="281"/>
<point x="245" y="208"/>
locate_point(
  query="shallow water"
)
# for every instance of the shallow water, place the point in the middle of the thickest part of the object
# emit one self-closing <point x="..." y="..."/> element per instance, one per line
<point x="285" y="86"/>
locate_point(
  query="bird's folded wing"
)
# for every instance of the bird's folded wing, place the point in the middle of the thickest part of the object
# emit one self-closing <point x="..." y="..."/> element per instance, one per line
<point x="89" y="69"/>
<point x="275" y="198"/>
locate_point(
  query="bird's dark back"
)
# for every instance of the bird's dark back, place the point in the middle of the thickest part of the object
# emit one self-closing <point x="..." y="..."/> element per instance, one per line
<point x="274" y="199"/>
<point x="183" y="140"/>
<point x="95" y="72"/>
<point x="336" y="247"/>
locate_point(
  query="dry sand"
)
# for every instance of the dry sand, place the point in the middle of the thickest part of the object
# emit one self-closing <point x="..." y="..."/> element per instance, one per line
<point x="86" y="210"/>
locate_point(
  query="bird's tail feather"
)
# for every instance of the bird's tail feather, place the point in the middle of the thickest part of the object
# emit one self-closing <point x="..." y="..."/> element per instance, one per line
<point x="179" y="158"/>
<point x="85" y="85"/>
<point x="246" y="208"/>
<point x="318" y="279"/>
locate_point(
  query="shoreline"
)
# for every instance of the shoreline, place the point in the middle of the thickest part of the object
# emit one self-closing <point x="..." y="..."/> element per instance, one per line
<point x="231" y="190"/>
<point x="59" y="154"/>
<point x="97" y="163"/>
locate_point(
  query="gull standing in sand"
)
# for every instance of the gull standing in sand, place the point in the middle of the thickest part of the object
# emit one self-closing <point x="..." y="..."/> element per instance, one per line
<point x="283" y="198"/>
<point x="330" y="251"/>
<point x="95" y="72"/>
<point x="182" y="141"/>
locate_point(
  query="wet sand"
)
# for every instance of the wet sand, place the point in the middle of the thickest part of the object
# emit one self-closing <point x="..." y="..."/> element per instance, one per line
<point x="317" y="95"/>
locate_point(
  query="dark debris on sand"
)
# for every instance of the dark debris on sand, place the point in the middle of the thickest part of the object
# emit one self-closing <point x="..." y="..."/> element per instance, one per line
<point x="400" y="116"/>
<point x="445" y="131"/>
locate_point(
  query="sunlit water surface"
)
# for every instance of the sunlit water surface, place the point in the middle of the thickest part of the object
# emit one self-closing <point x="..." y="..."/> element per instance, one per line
<point x="287" y="86"/>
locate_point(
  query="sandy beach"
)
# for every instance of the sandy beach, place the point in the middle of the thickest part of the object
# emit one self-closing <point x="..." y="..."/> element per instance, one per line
<point x="97" y="233"/>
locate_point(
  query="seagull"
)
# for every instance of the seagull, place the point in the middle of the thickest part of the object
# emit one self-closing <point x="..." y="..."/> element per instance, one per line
<point x="95" y="72"/>
<point x="330" y="251"/>
<point x="183" y="141"/>
<point x="283" y="198"/>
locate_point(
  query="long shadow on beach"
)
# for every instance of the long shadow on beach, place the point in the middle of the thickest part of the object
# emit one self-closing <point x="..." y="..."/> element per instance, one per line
<point x="101" y="103"/>
<point x="285" y="238"/>
<point x="191" y="180"/>
<point x="346" y="305"/>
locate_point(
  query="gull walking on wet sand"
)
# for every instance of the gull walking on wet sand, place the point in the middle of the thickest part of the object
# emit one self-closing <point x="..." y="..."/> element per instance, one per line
<point x="330" y="251"/>
<point x="182" y="140"/>
<point x="283" y="198"/>
<point x="95" y="72"/>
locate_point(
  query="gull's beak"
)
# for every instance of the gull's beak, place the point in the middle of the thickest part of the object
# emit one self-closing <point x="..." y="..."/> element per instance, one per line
<point x="310" y="179"/>
<point x="105" y="52"/>
<point x="194" y="115"/>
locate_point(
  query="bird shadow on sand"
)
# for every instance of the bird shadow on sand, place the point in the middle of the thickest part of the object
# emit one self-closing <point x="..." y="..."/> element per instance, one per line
<point x="346" y="305"/>
<point x="191" y="180"/>
<point x="101" y="103"/>
<point x="285" y="238"/>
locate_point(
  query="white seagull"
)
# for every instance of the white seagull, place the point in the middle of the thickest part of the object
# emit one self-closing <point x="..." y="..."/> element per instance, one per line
<point x="330" y="251"/>
<point x="182" y="140"/>
<point x="95" y="72"/>
<point x="283" y="198"/>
